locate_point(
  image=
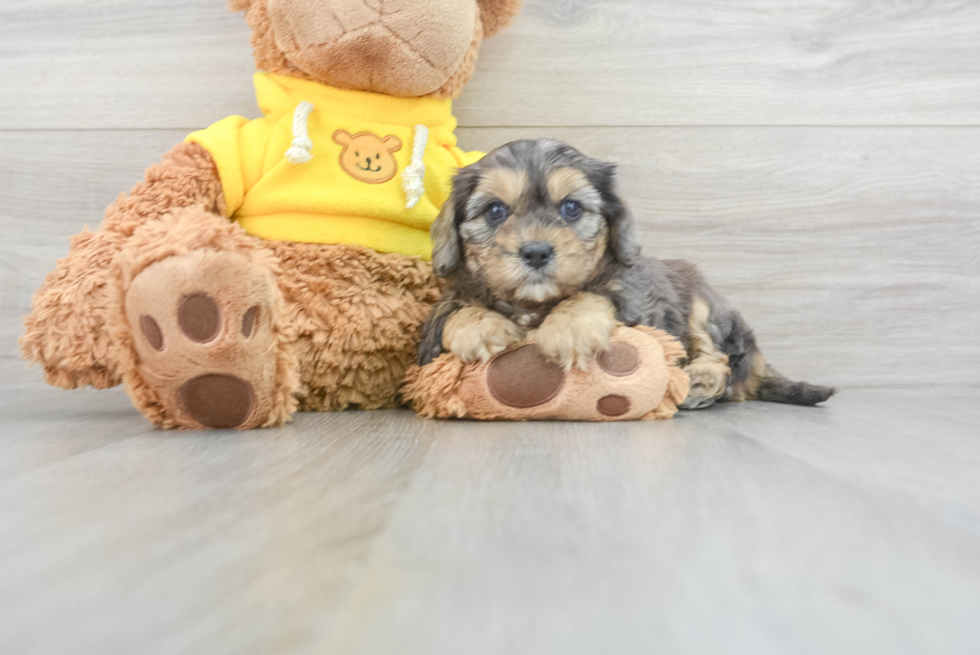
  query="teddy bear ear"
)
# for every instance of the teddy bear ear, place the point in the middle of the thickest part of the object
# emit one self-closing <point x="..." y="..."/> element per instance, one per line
<point x="393" y="143"/>
<point x="497" y="14"/>
<point x="342" y="137"/>
<point x="239" y="5"/>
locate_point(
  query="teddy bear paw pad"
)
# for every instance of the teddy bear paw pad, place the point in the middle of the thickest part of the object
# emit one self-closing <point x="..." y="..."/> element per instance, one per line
<point x="217" y="400"/>
<point x="524" y="378"/>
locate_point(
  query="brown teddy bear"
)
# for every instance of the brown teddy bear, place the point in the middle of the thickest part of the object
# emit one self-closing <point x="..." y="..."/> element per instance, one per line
<point x="279" y="264"/>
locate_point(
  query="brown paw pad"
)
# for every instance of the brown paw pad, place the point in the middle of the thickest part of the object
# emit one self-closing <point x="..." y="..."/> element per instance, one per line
<point x="620" y="360"/>
<point x="199" y="317"/>
<point x="613" y="405"/>
<point x="216" y="400"/>
<point x="248" y="321"/>
<point x="524" y="378"/>
<point x="152" y="332"/>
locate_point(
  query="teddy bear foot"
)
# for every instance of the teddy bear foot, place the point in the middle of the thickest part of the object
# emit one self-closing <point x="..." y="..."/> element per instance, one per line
<point x="637" y="377"/>
<point x="206" y="343"/>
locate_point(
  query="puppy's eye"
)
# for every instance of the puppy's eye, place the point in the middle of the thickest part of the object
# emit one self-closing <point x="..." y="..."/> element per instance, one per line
<point x="496" y="213"/>
<point x="571" y="210"/>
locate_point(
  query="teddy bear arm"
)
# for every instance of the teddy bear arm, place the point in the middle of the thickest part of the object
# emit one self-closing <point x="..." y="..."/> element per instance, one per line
<point x="65" y="331"/>
<point x="187" y="176"/>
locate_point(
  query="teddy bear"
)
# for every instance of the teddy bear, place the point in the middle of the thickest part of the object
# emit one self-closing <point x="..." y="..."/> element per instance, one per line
<point x="279" y="264"/>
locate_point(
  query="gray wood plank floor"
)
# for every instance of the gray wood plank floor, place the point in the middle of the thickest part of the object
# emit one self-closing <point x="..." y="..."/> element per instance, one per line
<point x="854" y="528"/>
<point x="820" y="160"/>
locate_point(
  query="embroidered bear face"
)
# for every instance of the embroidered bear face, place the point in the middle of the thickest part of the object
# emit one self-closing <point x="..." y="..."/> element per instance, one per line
<point x="367" y="157"/>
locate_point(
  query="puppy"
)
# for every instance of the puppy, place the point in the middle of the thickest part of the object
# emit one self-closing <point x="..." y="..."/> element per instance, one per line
<point x="534" y="237"/>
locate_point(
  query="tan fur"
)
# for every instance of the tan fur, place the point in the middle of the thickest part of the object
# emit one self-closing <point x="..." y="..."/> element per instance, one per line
<point x="198" y="246"/>
<point x="749" y="389"/>
<point x="65" y="330"/>
<point x="497" y="14"/>
<point x="563" y="182"/>
<point x="576" y="330"/>
<point x="454" y="85"/>
<point x="707" y="367"/>
<point x="678" y="385"/>
<point x="450" y="388"/>
<point x="475" y="334"/>
<point x="386" y="73"/>
<point x="576" y="260"/>
<point x="357" y="314"/>
<point x="505" y="184"/>
<point x="500" y="265"/>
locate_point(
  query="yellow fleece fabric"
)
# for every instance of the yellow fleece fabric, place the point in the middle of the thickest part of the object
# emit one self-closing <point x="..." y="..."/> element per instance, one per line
<point x="320" y="201"/>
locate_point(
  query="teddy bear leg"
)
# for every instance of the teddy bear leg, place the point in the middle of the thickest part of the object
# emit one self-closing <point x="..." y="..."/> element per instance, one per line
<point x="358" y="315"/>
<point x="198" y="318"/>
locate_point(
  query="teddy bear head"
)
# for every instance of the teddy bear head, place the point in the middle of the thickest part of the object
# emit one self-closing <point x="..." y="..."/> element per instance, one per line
<point x="406" y="48"/>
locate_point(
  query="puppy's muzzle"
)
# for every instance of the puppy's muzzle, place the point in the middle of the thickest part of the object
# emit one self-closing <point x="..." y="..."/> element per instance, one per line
<point x="537" y="254"/>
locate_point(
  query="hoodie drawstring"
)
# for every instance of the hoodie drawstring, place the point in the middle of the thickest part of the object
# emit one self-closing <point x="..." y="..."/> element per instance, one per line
<point x="413" y="178"/>
<point x="301" y="150"/>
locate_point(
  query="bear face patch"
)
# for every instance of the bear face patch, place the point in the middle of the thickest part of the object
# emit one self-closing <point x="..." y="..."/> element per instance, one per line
<point x="367" y="157"/>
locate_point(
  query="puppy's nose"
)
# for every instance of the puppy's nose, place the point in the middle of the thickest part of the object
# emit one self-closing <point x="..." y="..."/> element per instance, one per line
<point x="537" y="254"/>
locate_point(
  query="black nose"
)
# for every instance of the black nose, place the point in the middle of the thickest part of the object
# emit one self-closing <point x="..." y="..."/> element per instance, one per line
<point x="537" y="254"/>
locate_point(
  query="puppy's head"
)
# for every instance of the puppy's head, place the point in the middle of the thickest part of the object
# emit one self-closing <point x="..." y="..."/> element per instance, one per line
<point x="533" y="220"/>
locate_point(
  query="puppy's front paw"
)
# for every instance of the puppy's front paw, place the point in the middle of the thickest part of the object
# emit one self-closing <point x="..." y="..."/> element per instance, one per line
<point x="475" y="334"/>
<point x="577" y="330"/>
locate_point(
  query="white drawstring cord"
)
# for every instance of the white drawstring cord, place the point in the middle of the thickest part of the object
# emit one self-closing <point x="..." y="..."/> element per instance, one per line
<point x="301" y="150"/>
<point x="413" y="178"/>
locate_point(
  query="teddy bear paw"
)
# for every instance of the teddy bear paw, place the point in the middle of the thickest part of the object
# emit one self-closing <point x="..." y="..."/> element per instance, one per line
<point x="206" y="346"/>
<point x="615" y="386"/>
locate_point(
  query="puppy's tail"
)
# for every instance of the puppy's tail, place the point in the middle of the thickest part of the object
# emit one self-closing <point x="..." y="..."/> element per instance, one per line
<point x="773" y="387"/>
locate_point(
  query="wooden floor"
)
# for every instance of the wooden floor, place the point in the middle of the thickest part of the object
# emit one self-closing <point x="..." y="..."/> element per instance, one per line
<point x="743" y="529"/>
<point x="819" y="159"/>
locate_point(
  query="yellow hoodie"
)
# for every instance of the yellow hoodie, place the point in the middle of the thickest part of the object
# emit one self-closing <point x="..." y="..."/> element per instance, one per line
<point x="327" y="165"/>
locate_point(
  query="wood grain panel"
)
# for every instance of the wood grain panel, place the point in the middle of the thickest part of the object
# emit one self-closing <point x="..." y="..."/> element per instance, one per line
<point x="187" y="63"/>
<point x="854" y="253"/>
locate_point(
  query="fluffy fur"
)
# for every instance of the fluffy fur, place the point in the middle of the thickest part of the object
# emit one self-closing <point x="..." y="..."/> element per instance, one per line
<point x="183" y="242"/>
<point x="536" y="232"/>
<point x="66" y="329"/>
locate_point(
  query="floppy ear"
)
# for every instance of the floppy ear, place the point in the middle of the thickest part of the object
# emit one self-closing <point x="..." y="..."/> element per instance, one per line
<point x="447" y="247"/>
<point x="497" y="14"/>
<point x="622" y="230"/>
<point x="393" y="143"/>
<point x="342" y="137"/>
<point x="447" y="251"/>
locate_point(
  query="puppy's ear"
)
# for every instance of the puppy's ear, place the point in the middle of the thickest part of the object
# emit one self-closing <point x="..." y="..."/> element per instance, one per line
<point x="497" y="14"/>
<point x="447" y="247"/>
<point x="447" y="251"/>
<point x="622" y="230"/>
